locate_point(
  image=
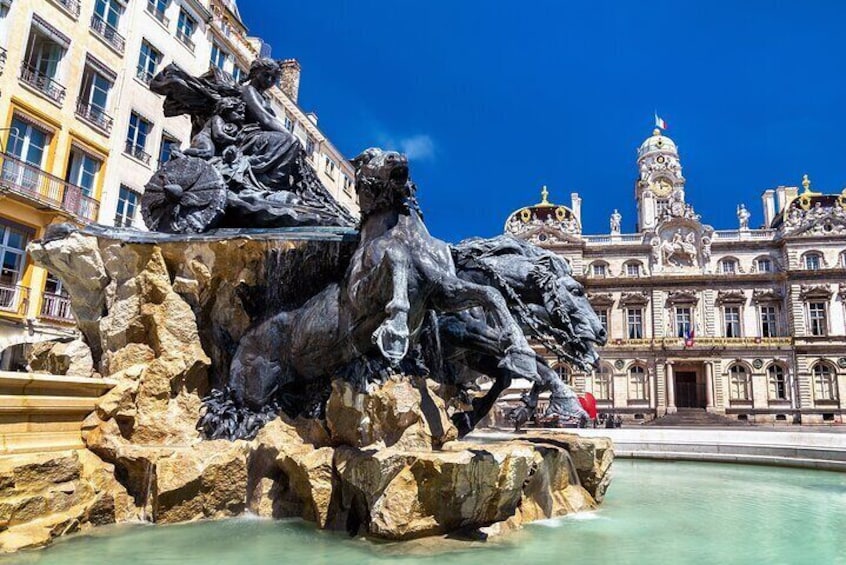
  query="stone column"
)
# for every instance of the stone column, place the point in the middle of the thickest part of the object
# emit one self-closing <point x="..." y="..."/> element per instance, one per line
<point x="671" y="388"/>
<point x="709" y="386"/>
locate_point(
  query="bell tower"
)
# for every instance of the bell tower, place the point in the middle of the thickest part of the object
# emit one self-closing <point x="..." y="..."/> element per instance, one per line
<point x="660" y="181"/>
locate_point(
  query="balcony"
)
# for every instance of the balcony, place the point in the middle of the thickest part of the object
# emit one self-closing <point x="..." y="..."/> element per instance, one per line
<point x="70" y="6"/>
<point x="42" y="83"/>
<point x="57" y="308"/>
<point x="52" y="192"/>
<point x="154" y="11"/>
<point x="137" y="152"/>
<point x="701" y="342"/>
<point x="144" y="76"/>
<point x="94" y="115"/>
<point x="186" y="41"/>
<point x="13" y="298"/>
<point x="108" y="33"/>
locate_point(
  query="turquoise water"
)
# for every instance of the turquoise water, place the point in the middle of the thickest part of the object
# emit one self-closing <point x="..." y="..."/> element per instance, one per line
<point x="655" y="512"/>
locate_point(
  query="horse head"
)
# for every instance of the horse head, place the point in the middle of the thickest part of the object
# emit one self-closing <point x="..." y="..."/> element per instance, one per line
<point x="382" y="181"/>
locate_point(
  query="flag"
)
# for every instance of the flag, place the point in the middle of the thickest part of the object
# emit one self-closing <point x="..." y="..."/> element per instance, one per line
<point x="659" y="122"/>
<point x="689" y="336"/>
<point x="588" y="402"/>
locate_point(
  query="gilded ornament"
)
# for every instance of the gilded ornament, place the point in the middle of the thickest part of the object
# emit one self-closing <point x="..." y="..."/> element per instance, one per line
<point x="561" y="213"/>
<point x="525" y="215"/>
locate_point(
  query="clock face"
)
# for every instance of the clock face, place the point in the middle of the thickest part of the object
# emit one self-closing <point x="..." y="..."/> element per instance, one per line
<point x="662" y="188"/>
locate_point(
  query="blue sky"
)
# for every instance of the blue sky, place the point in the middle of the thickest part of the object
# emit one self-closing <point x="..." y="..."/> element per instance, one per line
<point x="493" y="99"/>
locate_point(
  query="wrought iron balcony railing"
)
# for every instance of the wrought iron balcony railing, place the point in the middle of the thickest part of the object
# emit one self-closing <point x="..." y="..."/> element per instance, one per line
<point x="3" y="57"/>
<point x="108" y="33"/>
<point x="186" y="41"/>
<point x="144" y="75"/>
<point x="29" y="181"/>
<point x="71" y="6"/>
<point x="137" y="151"/>
<point x="56" y="307"/>
<point x="94" y="115"/>
<point x="154" y="11"/>
<point x="13" y="298"/>
<point x="43" y="83"/>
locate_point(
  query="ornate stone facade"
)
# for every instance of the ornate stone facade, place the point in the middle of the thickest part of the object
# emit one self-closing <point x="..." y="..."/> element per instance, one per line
<point x="748" y="322"/>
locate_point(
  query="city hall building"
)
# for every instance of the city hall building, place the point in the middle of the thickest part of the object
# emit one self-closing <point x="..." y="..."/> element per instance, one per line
<point x="749" y="323"/>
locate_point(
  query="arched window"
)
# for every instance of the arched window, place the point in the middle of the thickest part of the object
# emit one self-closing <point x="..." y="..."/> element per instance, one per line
<point x="633" y="269"/>
<point x="599" y="269"/>
<point x="825" y="382"/>
<point x="777" y="383"/>
<point x="564" y="372"/>
<point x="638" y="385"/>
<point x="812" y="261"/>
<point x="602" y="383"/>
<point x="739" y="382"/>
<point x="729" y="266"/>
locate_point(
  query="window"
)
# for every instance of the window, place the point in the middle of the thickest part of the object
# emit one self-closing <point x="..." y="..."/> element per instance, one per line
<point x="739" y="382"/>
<point x="778" y="383"/>
<point x="634" y="323"/>
<point x="602" y="314"/>
<point x="683" y="321"/>
<point x="348" y="184"/>
<point x="825" y="385"/>
<point x="765" y="265"/>
<point x="289" y="123"/>
<point x="238" y="73"/>
<point x="731" y="317"/>
<point x="148" y="62"/>
<point x="126" y="207"/>
<point x="843" y="260"/>
<point x="82" y="171"/>
<point x="769" y="321"/>
<point x="563" y="373"/>
<point x="329" y="166"/>
<point x="136" y="137"/>
<point x="729" y="266"/>
<point x="157" y="8"/>
<point x="13" y="242"/>
<point x="599" y="269"/>
<point x="94" y="98"/>
<point x="56" y="303"/>
<point x="632" y="269"/>
<point x="310" y="146"/>
<point x="108" y="11"/>
<point x="166" y="148"/>
<point x="602" y="383"/>
<point x="42" y="62"/>
<point x="637" y="383"/>
<point x="27" y="143"/>
<point x="813" y="261"/>
<point x="185" y="26"/>
<point x="817" y="319"/>
<point x="218" y="57"/>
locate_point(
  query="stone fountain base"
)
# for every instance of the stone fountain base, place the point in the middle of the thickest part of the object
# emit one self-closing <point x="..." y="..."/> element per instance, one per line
<point x="160" y="313"/>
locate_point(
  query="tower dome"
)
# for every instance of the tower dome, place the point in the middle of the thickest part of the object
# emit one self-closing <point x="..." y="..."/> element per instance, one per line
<point x="657" y="143"/>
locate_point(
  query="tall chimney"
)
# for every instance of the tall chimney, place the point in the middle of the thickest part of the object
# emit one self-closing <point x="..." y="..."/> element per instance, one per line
<point x="768" y="199"/>
<point x="290" y="83"/>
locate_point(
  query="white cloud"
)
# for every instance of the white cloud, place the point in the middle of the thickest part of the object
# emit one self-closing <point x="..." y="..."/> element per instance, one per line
<point x="418" y="147"/>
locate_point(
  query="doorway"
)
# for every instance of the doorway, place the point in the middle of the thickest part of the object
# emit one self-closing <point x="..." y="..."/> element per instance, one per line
<point x="689" y="392"/>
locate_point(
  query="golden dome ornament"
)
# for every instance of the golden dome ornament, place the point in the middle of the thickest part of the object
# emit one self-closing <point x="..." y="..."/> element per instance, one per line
<point x="525" y="215"/>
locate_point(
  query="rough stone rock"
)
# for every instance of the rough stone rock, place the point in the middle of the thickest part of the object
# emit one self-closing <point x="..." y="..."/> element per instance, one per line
<point x="46" y="495"/>
<point x="398" y="494"/>
<point x="403" y="412"/>
<point x="61" y="358"/>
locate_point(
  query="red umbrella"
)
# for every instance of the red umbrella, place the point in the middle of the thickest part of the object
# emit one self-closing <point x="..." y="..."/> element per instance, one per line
<point x="588" y="402"/>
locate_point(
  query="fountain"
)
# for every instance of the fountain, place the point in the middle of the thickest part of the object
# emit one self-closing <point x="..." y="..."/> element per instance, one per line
<point x="270" y="358"/>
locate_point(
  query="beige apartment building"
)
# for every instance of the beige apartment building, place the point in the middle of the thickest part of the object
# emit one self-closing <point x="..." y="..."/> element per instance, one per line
<point x="83" y="133"/>
<point x="749" y="323"/>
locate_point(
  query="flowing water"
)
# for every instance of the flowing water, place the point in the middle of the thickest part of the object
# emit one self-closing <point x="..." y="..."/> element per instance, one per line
<point x="655" y="512"/>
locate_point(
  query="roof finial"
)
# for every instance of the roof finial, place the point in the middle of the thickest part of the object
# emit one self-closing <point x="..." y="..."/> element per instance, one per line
<point x="544" y="196"/>
<point x="806" y="183"/>
<point x="656" y="131"/>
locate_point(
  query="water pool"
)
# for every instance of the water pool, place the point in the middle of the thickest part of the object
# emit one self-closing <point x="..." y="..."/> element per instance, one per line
<point x="659" y="512"/>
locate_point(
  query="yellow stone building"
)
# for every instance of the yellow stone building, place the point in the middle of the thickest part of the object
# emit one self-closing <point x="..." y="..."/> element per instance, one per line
<point x="82" y="133"/>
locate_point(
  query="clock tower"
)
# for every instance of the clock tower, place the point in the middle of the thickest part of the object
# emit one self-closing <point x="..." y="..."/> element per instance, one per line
<point x="660" y="182"/>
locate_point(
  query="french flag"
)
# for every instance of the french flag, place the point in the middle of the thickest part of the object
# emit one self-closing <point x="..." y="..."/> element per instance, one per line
<point x="659" y="122"/>
<point x="689" y="336"/>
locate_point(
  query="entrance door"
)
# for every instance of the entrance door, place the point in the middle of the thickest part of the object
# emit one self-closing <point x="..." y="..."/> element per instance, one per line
<point x="689" y="394"/>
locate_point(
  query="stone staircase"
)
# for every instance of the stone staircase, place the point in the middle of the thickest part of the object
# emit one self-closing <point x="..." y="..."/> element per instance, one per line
<point x="694" y="417"/>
